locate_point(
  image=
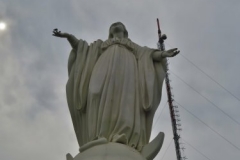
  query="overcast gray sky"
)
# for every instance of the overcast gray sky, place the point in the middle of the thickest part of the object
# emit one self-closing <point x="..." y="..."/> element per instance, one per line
<point x="34" y="119"/>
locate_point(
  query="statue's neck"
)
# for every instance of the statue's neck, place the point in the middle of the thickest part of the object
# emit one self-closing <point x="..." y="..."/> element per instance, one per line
<point x="119" y="35"/>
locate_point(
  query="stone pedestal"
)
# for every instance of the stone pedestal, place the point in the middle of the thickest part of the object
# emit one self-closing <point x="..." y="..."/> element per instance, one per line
<point x="109" y="151"/>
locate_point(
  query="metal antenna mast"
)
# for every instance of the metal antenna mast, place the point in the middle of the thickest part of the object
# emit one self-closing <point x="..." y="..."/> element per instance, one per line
<point x="174" y="112"/>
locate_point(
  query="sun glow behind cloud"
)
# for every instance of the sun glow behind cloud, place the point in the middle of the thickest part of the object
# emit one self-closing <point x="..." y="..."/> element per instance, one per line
<point x="3" y="26"/>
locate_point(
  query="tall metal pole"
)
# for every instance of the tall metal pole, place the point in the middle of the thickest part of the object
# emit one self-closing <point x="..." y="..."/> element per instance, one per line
<point x="174" y="112"/>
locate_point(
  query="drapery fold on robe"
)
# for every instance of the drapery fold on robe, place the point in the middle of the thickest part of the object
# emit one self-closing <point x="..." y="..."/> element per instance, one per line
<point x="80" y="64"/>
<point x="151" y="77"/>
<point x="147" y="79"/>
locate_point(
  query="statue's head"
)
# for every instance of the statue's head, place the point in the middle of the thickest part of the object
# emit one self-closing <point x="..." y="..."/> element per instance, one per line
<point x="116" y="28"/>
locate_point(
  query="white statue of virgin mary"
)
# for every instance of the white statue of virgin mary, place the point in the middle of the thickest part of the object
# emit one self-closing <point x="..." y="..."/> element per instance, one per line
<point x="114" y="89"/>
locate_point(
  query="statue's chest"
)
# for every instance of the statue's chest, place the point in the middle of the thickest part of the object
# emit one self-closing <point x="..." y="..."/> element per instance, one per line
<point x="117" y="50"/>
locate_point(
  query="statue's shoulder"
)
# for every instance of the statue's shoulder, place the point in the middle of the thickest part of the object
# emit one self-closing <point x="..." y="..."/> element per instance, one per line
<point x="137" y="46"/>
<point x="97" y="42"/>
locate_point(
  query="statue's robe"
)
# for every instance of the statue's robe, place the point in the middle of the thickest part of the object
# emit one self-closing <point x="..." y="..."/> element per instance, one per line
<point x="113" y="91"/>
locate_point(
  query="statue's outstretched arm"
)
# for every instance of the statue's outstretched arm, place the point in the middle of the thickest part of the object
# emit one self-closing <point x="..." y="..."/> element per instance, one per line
<point x="159" y="55"/>
<point x="71" y="38"/>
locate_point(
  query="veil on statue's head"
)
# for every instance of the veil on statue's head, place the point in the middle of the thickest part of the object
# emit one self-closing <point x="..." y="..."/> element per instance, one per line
<point x="125" y="30"/>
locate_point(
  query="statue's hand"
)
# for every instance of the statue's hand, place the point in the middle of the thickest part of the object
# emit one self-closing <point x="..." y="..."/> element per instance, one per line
<point x="58" y="33"/>
<point x="170" y="53"/>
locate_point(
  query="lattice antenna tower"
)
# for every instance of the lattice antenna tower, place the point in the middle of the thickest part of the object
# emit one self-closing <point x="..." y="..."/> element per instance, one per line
<point x="173" y="108"/>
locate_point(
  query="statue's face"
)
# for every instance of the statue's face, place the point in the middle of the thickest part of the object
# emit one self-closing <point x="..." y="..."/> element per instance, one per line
<point x="117" y="28"/>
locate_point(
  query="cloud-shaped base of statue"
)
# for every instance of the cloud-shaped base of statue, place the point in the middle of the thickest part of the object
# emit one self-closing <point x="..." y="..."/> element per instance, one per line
<point x="102" y="150"/>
